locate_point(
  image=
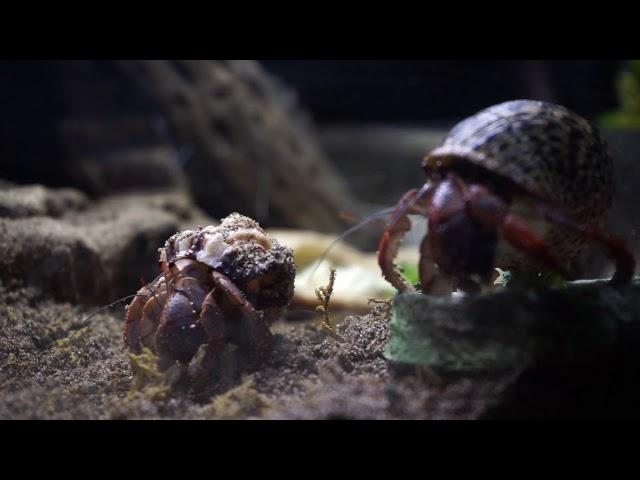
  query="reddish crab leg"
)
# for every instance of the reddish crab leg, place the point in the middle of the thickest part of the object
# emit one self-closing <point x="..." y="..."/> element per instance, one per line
<point x="212" y="320"/>
<point x="494" y="213"/>
<point x="151" y="316"/>
<point x="618" y="249"/>
<point x="259" y="333"/>
<point x="395" y="232"/>
<point x="521" y="236"/>
<point x="132" y="320"/>
<point x="490" y="210"/>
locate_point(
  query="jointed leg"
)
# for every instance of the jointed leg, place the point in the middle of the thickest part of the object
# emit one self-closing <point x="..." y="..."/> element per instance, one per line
<point x="490" y="210"/>
<point x="143" y="314"/>
<point x="411" y="203"/>
<point x="617" y="247"/>
<point x="151" y="316"/>
<point x="494" y="213"/>
<point x="520" y="235"/>
<point x="212" y="321"/>
<point x="133" y="317"/>
<point x="259" y="335"/>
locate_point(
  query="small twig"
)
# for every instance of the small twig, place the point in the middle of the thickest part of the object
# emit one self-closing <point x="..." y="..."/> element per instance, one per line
<point x="324" y="296"/>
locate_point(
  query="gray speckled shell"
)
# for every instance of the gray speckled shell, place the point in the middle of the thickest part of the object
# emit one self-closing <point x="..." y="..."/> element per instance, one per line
<point x="546" y="150"/>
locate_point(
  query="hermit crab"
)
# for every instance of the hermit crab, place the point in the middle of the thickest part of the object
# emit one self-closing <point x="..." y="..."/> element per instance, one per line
<point x="532" y="173"/>
<point x="218" y="284"/>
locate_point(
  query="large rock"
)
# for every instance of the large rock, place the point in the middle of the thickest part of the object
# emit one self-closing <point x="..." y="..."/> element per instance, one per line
<point x="562" y="352"/>
<point x="52" y="256"/>
<point x="92" y="254"/>
<point x="251" y="146"/>
<point x="36" y="200"/>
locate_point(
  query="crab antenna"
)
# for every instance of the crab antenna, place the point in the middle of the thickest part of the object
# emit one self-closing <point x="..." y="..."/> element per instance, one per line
<point x="368" y="219"/>
<point x="85" y="322"/>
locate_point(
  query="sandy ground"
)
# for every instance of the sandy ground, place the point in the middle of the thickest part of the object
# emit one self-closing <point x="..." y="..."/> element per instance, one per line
<point x="52" y="369"/>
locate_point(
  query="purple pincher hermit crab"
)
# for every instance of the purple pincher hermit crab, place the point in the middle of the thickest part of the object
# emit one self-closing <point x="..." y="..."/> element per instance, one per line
<point x="218" y="284"/>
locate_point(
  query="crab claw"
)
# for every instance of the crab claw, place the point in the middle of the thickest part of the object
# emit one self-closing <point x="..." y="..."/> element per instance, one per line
<point x="410" y="203"/>
<point x="180" y="334"/>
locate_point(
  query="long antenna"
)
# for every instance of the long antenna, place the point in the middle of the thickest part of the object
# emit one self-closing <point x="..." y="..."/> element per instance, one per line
<point x="85" y="322"/>
<point x="368" y="219"/>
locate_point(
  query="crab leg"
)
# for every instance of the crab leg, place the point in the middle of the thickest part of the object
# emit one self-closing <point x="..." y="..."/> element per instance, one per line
<point x="399" y="225"/>
<point x="132" y="319"/>
<point x="151" y="316"/>
<point x="494" y="213"/>
<point x="258" y="330"/>
<point x="143" y="314"/>
<point x="212" y="320"/>
<point x="520" y="235"/>
<point x="618" y="249"/>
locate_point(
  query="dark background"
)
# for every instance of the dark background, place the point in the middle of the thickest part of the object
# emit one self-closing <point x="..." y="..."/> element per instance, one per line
<point x="425" y="92"/>
<point x="36" y="95"/>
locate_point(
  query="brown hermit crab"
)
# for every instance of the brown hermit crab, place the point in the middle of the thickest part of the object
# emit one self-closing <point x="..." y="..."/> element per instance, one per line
<point x="218" y="284"/>
<point x="531" y="172"/>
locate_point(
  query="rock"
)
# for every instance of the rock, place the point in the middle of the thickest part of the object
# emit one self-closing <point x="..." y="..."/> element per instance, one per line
<point x="36" y="200"/>
<point x="53" y="256"/>
<point x="92" y="255"/>
<point x="128" y="229"/>
<point x="236" y="134"/>
<point x="252" y="148"/>
<point x="129" y="169"/>
<point x="562" y="352"/>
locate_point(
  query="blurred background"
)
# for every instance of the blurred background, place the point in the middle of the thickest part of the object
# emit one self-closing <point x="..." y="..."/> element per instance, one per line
<point x="312" y="145"/>
<point x="54" y="110"/>
<point x="373" y="120"/>
<point x="433" y="92"/>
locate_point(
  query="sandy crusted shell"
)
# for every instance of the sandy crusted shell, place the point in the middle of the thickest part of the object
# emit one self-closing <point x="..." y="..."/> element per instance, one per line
<point x="240" y="249"/>
<point x="209" y="244"/>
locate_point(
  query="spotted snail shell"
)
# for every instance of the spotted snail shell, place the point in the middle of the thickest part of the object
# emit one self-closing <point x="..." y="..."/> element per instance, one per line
<point x="544" y="150"/>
